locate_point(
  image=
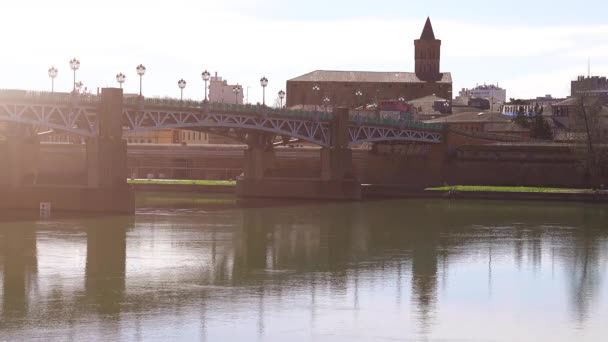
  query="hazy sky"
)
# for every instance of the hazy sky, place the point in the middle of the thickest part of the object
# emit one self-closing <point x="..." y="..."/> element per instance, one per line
<point x="531" y="48"/>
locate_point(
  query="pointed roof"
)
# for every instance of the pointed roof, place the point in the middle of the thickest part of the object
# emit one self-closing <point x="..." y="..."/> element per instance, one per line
<point x="427" y="32"/>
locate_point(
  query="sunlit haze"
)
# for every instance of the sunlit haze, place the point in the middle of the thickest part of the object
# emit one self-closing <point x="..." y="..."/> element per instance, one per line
<point x="529" y="48"/>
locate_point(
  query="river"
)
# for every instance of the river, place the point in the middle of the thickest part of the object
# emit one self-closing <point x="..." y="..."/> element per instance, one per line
<point x="211" y="268"/>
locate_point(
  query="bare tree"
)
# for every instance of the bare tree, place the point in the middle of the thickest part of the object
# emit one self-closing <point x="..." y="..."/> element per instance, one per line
<point x="277" y="102"/>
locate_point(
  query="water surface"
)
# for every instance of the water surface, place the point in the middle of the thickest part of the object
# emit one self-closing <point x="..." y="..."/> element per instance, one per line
<point x="215" y="269"/>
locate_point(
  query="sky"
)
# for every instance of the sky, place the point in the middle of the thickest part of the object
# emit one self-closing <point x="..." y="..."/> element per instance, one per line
<point x="531" y="48"/>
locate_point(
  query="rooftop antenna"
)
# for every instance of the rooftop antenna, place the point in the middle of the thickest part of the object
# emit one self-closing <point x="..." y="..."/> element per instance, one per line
<point x="589" y="67"/>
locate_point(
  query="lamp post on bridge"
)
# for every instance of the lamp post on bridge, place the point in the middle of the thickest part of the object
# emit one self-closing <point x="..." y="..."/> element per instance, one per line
<point x="359" y="96"/>
<point x="281" y="97"/>
<point x="181" y="84"/>
<point x="141" y="71"/>
<point x="78" y="86"/>
<point x="206" y="76"/>
<point x="52" y="74"/>
<point x="120" y="78"/>
<point x="316" y="89"/>
<point x="236" y="90"/>
<point x="74" y="65"/>
<point x="264" y="83"/>
<point x="326" y="102"/>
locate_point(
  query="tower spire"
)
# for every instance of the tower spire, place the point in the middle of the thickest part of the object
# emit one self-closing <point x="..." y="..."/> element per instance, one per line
<point x="428" y="54"/>
<point x="427" y="32"/>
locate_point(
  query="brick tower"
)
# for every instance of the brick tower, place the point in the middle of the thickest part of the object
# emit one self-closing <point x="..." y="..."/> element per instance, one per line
<point x="428" y="54"/>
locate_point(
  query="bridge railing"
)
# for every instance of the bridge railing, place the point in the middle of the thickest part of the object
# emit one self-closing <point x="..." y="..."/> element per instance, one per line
<point x="193" y="105"/>
<point x="47" y="97"/>
<point x="361" y="119"/>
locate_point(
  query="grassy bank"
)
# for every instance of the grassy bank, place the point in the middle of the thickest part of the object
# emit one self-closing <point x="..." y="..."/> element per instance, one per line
<point x="479" y="188"/>
<point x="181" y="182"/>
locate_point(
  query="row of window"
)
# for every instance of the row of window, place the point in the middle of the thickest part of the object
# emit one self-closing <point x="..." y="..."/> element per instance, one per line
<point x="424" y="54"/>
<point x="138" y="140"/>
<point x="191" y="135"/>
<point x="428" y="68"/>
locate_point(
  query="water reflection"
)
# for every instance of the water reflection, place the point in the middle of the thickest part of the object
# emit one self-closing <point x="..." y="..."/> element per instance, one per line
<point x="388" y="269"/>
<point x="106" y="265"/>
<point x="18" y="253"/>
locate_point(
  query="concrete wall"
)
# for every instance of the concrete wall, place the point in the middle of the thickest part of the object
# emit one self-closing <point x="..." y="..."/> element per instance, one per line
<point x="413" y="166"/>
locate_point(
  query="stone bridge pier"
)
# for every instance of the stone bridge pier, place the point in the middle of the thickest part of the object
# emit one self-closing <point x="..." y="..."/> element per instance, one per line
<point x="19" y="154"/>
<point x="106" y="189"/>
<point x="336" y="181"/>
<point x="259" y="155"/>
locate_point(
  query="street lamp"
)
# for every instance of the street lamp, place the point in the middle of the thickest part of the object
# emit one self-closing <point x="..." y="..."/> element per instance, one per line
<point x="316" y="89"/>
<point x="326" y="101"/>
<point x="141" y="70"/>
<point x="264" y="83"/>
<point x="120" y="78"/>
<point x="281" y="97"/>
<point x="236" y="90"/>
<point x="206" y="76"/>
<point x="52" y="74"/>
<point x="181" y="84"/>
<point x="74" y="65"/>
<point x="359" y="95"/>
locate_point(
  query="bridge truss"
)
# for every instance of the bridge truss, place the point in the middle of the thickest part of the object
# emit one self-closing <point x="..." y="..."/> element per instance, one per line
<point x="371" y="133"/>
<point x="81" y="119"/>
<point x="138" y="121"/>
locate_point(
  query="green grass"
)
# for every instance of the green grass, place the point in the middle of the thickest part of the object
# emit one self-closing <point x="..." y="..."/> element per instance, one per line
<point x="180" y="182"/>
<point x="506" y="189"/>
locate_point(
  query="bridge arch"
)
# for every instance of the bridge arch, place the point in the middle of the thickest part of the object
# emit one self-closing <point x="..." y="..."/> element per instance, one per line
<point x="138" y="121"/>
<point x="78" y="120"/>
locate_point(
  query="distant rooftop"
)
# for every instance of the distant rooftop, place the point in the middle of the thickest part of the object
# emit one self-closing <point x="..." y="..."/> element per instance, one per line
<point x="366" y="76"/>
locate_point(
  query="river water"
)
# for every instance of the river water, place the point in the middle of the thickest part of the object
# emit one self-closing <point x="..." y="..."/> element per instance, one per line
<point x="212" y="268"/>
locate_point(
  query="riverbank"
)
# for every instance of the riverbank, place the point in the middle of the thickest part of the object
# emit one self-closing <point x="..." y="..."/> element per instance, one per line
<point x="201" y="186"/>
<point x="372" y="191"/>
<point x="488" y="193"/>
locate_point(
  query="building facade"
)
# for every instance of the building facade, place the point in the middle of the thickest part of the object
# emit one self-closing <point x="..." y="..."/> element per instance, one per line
<point x="222" y="92"/>
<point x="357" y="88"/>
<point x="589" y="85"/>
<point x="485" y="92"/>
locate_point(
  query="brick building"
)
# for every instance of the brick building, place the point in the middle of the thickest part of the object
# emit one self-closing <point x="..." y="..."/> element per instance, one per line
<point x="592" y="85"/>
<point x="341" y="87"/>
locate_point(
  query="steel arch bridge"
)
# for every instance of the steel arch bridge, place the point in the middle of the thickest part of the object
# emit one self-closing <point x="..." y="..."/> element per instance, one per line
<point x="77" y="114"/>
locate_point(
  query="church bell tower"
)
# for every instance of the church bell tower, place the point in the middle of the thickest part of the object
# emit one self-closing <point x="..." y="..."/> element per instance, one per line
<point x="428" y="54"/>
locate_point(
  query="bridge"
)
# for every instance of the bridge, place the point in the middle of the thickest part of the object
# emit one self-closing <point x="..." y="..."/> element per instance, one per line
<point x="77" y="114"/>
<point x="104" y="120"/>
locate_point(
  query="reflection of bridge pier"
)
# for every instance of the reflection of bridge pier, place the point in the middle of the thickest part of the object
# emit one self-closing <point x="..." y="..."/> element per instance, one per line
<point x="18" y="252"/>
<point x="106" y="265"/>
<point x="106" y="189"/>
<point x="336" y="179"/>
